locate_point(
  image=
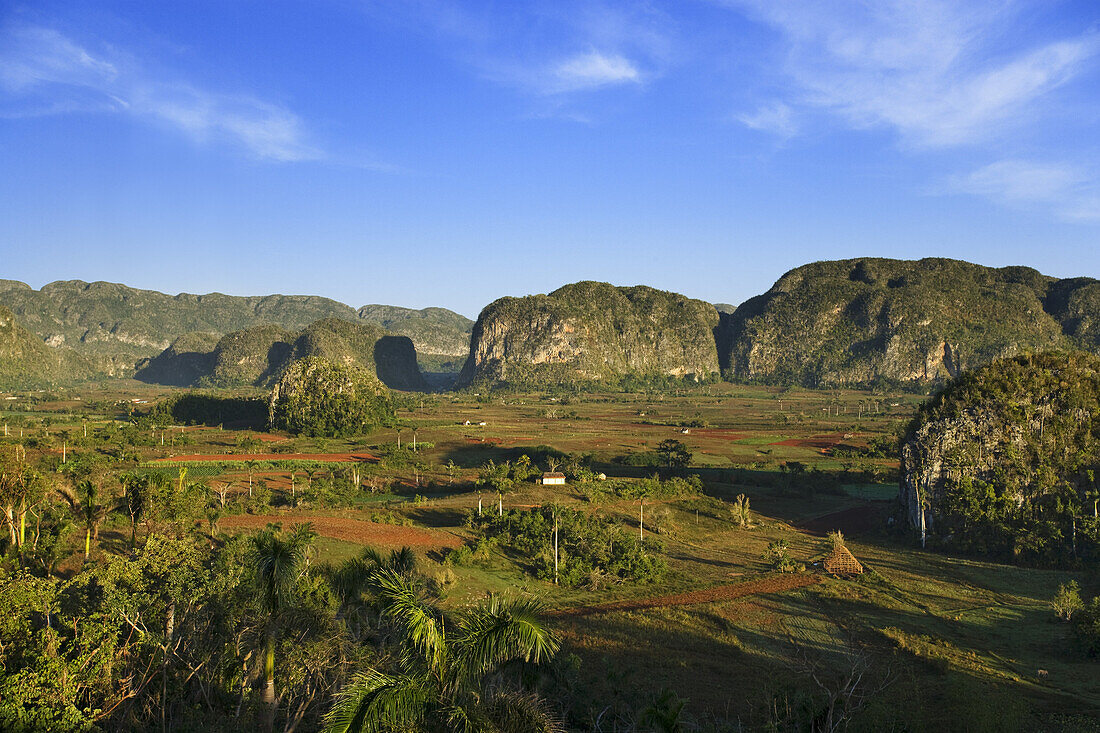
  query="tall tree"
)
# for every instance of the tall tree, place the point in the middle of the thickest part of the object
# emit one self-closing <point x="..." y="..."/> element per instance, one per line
<point x="441" y="680"/>
<point x="279" y="559"/>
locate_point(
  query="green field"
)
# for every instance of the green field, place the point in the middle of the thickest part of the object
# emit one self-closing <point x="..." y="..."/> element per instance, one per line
<point x="942" y="642"/>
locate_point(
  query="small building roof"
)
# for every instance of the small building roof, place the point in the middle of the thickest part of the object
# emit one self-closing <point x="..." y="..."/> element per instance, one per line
<point x="553" y="474"/>
<point x="841" y="561"/>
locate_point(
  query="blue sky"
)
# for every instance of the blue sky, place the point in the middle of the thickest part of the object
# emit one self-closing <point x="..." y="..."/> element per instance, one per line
<point x="423" y="153"/>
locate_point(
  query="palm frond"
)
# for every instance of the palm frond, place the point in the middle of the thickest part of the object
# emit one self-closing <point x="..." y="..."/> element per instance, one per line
<point x="420" y="622"/>
<point x="519" y="712"/>
<point x="376" y="702"/>
<point x="278" y="557"/>
<point x="499" y="631"/>
<point x="403" y="560"/>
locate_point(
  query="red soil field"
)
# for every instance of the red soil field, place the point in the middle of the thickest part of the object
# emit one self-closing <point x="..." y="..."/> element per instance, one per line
<point x="771" y="584"/>
<point x="349" y="530"/>
<point x="817" y="441"/>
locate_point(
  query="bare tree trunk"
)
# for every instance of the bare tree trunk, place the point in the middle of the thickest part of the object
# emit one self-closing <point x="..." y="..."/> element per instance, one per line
<point x="269" y="681"/>
<point x="555" y="547"/>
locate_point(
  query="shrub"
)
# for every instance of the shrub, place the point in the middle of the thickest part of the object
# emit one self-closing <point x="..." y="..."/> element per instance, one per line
<point x="1068" y="600"/>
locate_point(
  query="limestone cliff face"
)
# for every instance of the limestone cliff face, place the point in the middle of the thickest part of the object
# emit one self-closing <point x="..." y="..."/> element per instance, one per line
<point x="935" y="456"/>
<point x="591" y="331"/>
<point x="855" y="322"/>
<point x="1028" y="427"/>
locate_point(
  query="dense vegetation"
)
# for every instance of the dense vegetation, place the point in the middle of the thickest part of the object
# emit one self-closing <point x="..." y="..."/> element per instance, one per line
<point x="193" y="408"/>
<point x="873" y="320"/>
<point x="318" y="397"/>
<point x="26" y="362"/>
<point x="114" y="326"/>
<point x="258" y="356"/>
<point x="1006" y="459"/>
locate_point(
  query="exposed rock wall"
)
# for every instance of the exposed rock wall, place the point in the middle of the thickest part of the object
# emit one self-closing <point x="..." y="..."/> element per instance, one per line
<point x="856" y="322"/>
<point x="589" y="332"/>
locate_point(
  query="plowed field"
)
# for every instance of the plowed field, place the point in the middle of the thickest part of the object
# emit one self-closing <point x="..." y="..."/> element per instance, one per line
<point x="321" y="457"/>
<point x="349" y="530"/>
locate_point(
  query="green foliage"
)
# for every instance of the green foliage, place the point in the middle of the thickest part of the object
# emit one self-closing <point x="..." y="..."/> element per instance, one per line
<point x="594" y="550"/>
<point x="1086" y="626"/>
<point x="674" y="453"/>
<point x="195" y="408"/>
<point x="778" y="555"/>
<point x="1019" y="440"/>
<point x="1067" y="601"/>
<point x="320" y="398"/>
<point x="645" y="488"/>
<point x="448" y="674"/>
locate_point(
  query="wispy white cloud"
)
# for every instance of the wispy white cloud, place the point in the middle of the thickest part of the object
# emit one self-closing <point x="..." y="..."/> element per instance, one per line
<point x="776" y="118"/>
<point x="44" y="72"/>
<point x="555" y="52"/>
<point x="931" y="70"/>
<point x="1067" y="189"/>
<point x="594" y="69"/>
<point x="939" y="74"/>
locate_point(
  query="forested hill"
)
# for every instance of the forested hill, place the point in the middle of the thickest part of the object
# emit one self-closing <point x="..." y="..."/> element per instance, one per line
<point x="592" y="332"/>
<point x="27" y="362"/>
<point x="113" y="326"/>
<point x="258" y="356"/>
<point x="862" y="321"/>
<point x="1004" y="460"/>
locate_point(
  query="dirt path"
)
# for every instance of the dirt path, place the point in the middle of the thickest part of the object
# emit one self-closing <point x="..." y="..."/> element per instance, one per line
<point x="770" y="584"/>
<point x="320" y="457"/>
<point x="349" y="529"/>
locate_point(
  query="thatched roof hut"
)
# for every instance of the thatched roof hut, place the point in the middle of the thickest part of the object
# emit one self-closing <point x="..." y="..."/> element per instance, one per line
<point x="842" y="562"/>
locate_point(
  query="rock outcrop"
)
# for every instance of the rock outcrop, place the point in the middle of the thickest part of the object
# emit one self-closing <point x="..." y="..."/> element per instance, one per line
<point x="592" y="332"/>
<point x="320" y="397"/>
<point x="259" y="356"/>
<point x="1007" y="454"/>
<point x="862" y="321"/>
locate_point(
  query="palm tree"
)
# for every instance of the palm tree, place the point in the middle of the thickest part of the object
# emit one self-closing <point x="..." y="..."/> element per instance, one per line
<point x="440" y="680"/>
<point x="279" y="557"/>
<point x="88" y="505"/>
<point x="251" y="465"/>
<point x="135" y="499"/>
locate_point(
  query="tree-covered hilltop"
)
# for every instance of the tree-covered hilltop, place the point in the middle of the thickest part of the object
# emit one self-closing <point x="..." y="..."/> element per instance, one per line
<point x="436" y="332"/>
<point x="592" y="332"/>
<point x="863" y="321"/>
<point x="258" y="356"/>
<point x="114" y="326"/>
<point x="320" y="397"/>
<point x="27" y="362"/>
<point x="1004" y="461"/>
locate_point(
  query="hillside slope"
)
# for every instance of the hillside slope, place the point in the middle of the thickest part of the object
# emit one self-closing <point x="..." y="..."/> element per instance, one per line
<point x="861" y="321"/>
<point x="258" y="356"/>
<point x="25" y="361"/>
<point x="115" y="326"/>
<point x="591" y="332"/>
